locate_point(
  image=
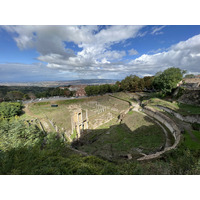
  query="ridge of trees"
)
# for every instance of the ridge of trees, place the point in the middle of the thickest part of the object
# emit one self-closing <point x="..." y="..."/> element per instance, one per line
<point x="162" y="82"/>
<point x="21" y="93"/>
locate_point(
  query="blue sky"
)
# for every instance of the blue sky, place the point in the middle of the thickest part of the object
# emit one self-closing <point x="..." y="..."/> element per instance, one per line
<point x="42" y="53"/>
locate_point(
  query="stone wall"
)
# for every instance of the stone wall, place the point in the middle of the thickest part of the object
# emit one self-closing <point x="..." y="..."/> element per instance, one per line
<point x="190" y="97"/>
<point x="169" y="124"/>
<point x="187" y="118"/>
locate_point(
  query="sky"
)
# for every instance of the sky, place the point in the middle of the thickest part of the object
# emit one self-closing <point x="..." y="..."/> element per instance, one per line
<point x="52" y="53"/>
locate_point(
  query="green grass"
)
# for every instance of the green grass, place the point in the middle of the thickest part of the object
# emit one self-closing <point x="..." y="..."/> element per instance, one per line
<point x="121" y="139"/>
<point x="130" y="112"/>
<point x="71" y="101"/>
<point x="25" y="117"/>
<point x="42" y="103"/>
<point x="108" y="124"/>
<point x="73" y="136"/>
<point x="188" y="109"/>
<point x="196" y="134"/>
<point x="61" y="115"/>
<point x="184" y="109"/>
<point x="189" y="142"/>
<point x="124" y="96"/>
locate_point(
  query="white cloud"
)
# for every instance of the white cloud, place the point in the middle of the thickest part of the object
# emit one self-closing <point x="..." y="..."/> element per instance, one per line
<point x="96" y="55"/>
<point x="157" y="50"/>
<point x="49" y="42"/>
<point x="97" y="59"/>
<point x="184" y="55"/>
<point x="17" y="72"/>
<point x="157" y="30"/>
<point x="132" y="52"/>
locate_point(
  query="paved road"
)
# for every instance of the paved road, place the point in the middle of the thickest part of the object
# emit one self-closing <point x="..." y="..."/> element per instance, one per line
<point x="51" y="99"/>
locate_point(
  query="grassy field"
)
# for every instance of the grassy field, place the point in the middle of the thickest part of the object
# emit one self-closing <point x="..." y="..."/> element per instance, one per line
<point x="61" y="115"/>
<point x="189" y="142"/>
<point x="136" y="133"/>
<point x="126" y="96"/>
<point x="183" y="109"/>
<point x="197" y="135"/>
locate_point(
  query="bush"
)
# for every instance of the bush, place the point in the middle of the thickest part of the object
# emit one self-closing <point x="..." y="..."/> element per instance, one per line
<point x="196" y="126"/>
<point x="8" y="110"/>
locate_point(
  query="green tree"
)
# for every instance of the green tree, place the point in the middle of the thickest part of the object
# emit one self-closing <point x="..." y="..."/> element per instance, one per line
<point x="114" y="88"/>
<point x="167" y="80"/>
<point x="88" y="90"/>
<point x="15" y="134"/>
<point x="189" y="76"/>
<point x="132" y="83"/>
<point x="14" y="95"/>
<point x="126" y="84"/>
<point x="148" y="82"/>
<point x="26" y="96"/>
<point x="8" y="110"/>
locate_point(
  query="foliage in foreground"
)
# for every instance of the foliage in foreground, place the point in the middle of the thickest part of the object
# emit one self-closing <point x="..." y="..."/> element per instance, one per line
<point x="26" y="150"/>
<point x="8" y="110"/>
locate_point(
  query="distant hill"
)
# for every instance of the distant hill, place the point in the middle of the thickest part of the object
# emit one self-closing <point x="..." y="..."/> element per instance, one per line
<point x="61" y="83"/>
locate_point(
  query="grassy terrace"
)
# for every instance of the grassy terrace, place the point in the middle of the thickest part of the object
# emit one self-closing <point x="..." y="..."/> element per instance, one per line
<point x="61" y="115"/>
<point x="191" y="143"/>
<point x="126" y="96"/>
<point x="113" y="141"/>
<point x="181" y="108"/>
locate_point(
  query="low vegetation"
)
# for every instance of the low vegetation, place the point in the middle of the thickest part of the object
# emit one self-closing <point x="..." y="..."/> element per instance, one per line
<point x="8" y="110"/>
<point x="25" y="149"/>
<point x="184" y="109"/>
<point x="135" y="132"/>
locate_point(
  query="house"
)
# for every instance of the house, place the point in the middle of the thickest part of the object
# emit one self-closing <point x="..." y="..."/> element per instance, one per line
<point x="63" y="87"/>
<point x="80" y="92"/>
<point x="73" y="88"/>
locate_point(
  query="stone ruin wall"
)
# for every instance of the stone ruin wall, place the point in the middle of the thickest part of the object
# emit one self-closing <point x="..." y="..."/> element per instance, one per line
<point x="78" y="123"/>
<point x="169" y="124"/>
<point x="187" y="118"/>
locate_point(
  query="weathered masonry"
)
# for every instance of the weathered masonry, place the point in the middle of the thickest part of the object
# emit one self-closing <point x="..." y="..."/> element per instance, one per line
<point x="78" y="122"/>
<point x="169" y="124"/>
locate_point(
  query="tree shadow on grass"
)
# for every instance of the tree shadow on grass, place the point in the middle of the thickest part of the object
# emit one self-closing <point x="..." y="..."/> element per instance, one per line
<point x="116" y="142"/>
<point x="51" y="156"/>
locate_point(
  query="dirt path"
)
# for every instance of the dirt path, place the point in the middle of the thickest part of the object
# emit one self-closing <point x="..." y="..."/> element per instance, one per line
<point x="28" y="112"/>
